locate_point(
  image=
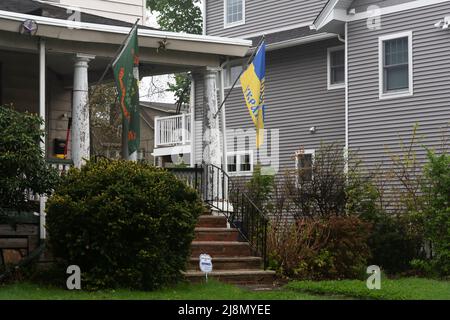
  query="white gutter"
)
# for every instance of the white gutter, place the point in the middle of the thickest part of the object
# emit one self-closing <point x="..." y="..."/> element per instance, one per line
<point x="298" y="41"/>
<point x="14" y="16"/>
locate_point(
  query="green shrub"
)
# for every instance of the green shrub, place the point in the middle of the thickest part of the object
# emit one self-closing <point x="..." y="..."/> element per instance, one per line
<point x="330" y="248"/>
<point x="436" y="214"/>
<point x="125" y="224"/>
<point x="22" y="162"/>
<point x="259" y="188"/>
<point x="393" y="244"/>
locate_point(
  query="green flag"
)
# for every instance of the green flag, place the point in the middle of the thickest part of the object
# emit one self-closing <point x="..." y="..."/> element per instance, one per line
<point x="126" y="73"/>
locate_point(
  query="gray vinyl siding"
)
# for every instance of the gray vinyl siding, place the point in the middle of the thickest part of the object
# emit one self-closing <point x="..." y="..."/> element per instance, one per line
<point x="375" y="125"/>
<point x="297" y="98"/>
<point x="262" y="16"/>
<point x="198" y="116"/>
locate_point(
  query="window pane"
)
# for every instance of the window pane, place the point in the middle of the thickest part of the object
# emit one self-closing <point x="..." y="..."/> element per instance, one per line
<point x="305" y="163"/>
<point x="337" y="58"/>
<point x="337" y="75"/>
<point x="396" y="78"/>
<point x="337" y="66"/>
<point x="231" y="163"/>
<point x="396" y="51"/>
<point x="234" y="11"/>
<point x="245" y="162"/>
<point x="235" y="71"/>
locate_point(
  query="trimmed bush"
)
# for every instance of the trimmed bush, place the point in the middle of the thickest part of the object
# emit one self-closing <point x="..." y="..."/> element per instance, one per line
<point x="125" y="224"/>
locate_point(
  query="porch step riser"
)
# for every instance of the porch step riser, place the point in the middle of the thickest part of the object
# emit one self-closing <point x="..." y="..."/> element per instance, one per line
<point x="210" y="221"/>
<point x="214" y="250"/>
<point x="232" y="235"/>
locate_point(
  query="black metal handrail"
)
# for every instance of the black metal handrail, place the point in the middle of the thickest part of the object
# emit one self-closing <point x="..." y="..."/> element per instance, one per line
<point x="219" y="192"/>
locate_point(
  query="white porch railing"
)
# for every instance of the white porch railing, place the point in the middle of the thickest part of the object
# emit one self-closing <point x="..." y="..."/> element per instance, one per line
<point x="61" y="165"/>
<point x="173" y="130"/>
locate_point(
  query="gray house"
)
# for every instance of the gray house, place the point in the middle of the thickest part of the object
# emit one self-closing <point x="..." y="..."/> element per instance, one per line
<point x="357" y="73"/>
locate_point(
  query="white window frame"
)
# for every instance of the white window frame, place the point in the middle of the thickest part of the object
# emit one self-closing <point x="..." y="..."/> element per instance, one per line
<point x="227" y="73"/>
<point x="332" y="86"/>
<point x="401" y="93"/>
<point x="225" y="14"/>
<point x="312" y="152"/>
<point x="238" y="155"/>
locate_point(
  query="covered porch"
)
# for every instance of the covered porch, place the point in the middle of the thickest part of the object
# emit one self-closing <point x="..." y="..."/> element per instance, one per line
<point x="49" y="73"/>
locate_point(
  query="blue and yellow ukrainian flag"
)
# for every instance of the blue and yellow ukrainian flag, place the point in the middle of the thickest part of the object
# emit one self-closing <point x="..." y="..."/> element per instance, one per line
<point x="253" y="82"/>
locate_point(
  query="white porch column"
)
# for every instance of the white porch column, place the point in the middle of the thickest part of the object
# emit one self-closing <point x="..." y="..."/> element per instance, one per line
<point x="80" y="111"/>
<point x="211" y="126"/>
<point x="212" y="154"/>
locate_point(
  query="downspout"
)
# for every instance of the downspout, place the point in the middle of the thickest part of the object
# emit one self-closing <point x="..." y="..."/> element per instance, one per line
<point x="346" y="97"/>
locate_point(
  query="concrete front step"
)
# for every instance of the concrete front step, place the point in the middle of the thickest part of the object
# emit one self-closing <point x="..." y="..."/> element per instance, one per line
<point x="211" y="221"/>
<point x="229" y="263"/>
<point x="220" y="248"/>
<point x="216" y="234"/>
<point x="243" y="277"/>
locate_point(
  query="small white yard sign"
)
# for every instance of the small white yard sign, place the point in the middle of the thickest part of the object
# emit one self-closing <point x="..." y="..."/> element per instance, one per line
<point x="206" y="264"/>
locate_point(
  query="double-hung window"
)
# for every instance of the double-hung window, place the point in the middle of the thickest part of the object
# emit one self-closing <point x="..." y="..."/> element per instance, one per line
<point x="395" y="59"/>
<point x="304" y="162"/>
<point x="240" y="162"/>
<point x="336" y="67"/>
<point x="234" y="13"/>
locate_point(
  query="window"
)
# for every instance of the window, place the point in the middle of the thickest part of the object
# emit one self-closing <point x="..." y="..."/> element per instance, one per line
<point x="231" y="72"/>
<point x="240" y="162"/>
<point x="336" y="67"/>
<point x="234" y="13"/>
<point x="304" y="162"/>
<point x="395" y="57"/>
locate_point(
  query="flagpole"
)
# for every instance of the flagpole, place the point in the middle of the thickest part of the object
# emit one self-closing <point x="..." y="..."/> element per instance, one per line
<point x="240" y="74"/>
<point x="105" y="72"/>
<point x="125" y="153"/>
<point x="116" y="54"/>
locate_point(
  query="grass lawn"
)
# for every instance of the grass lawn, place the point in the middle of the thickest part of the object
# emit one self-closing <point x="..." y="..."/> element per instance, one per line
<point x="398" y="289"/>
<point x="211" y="291"/>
